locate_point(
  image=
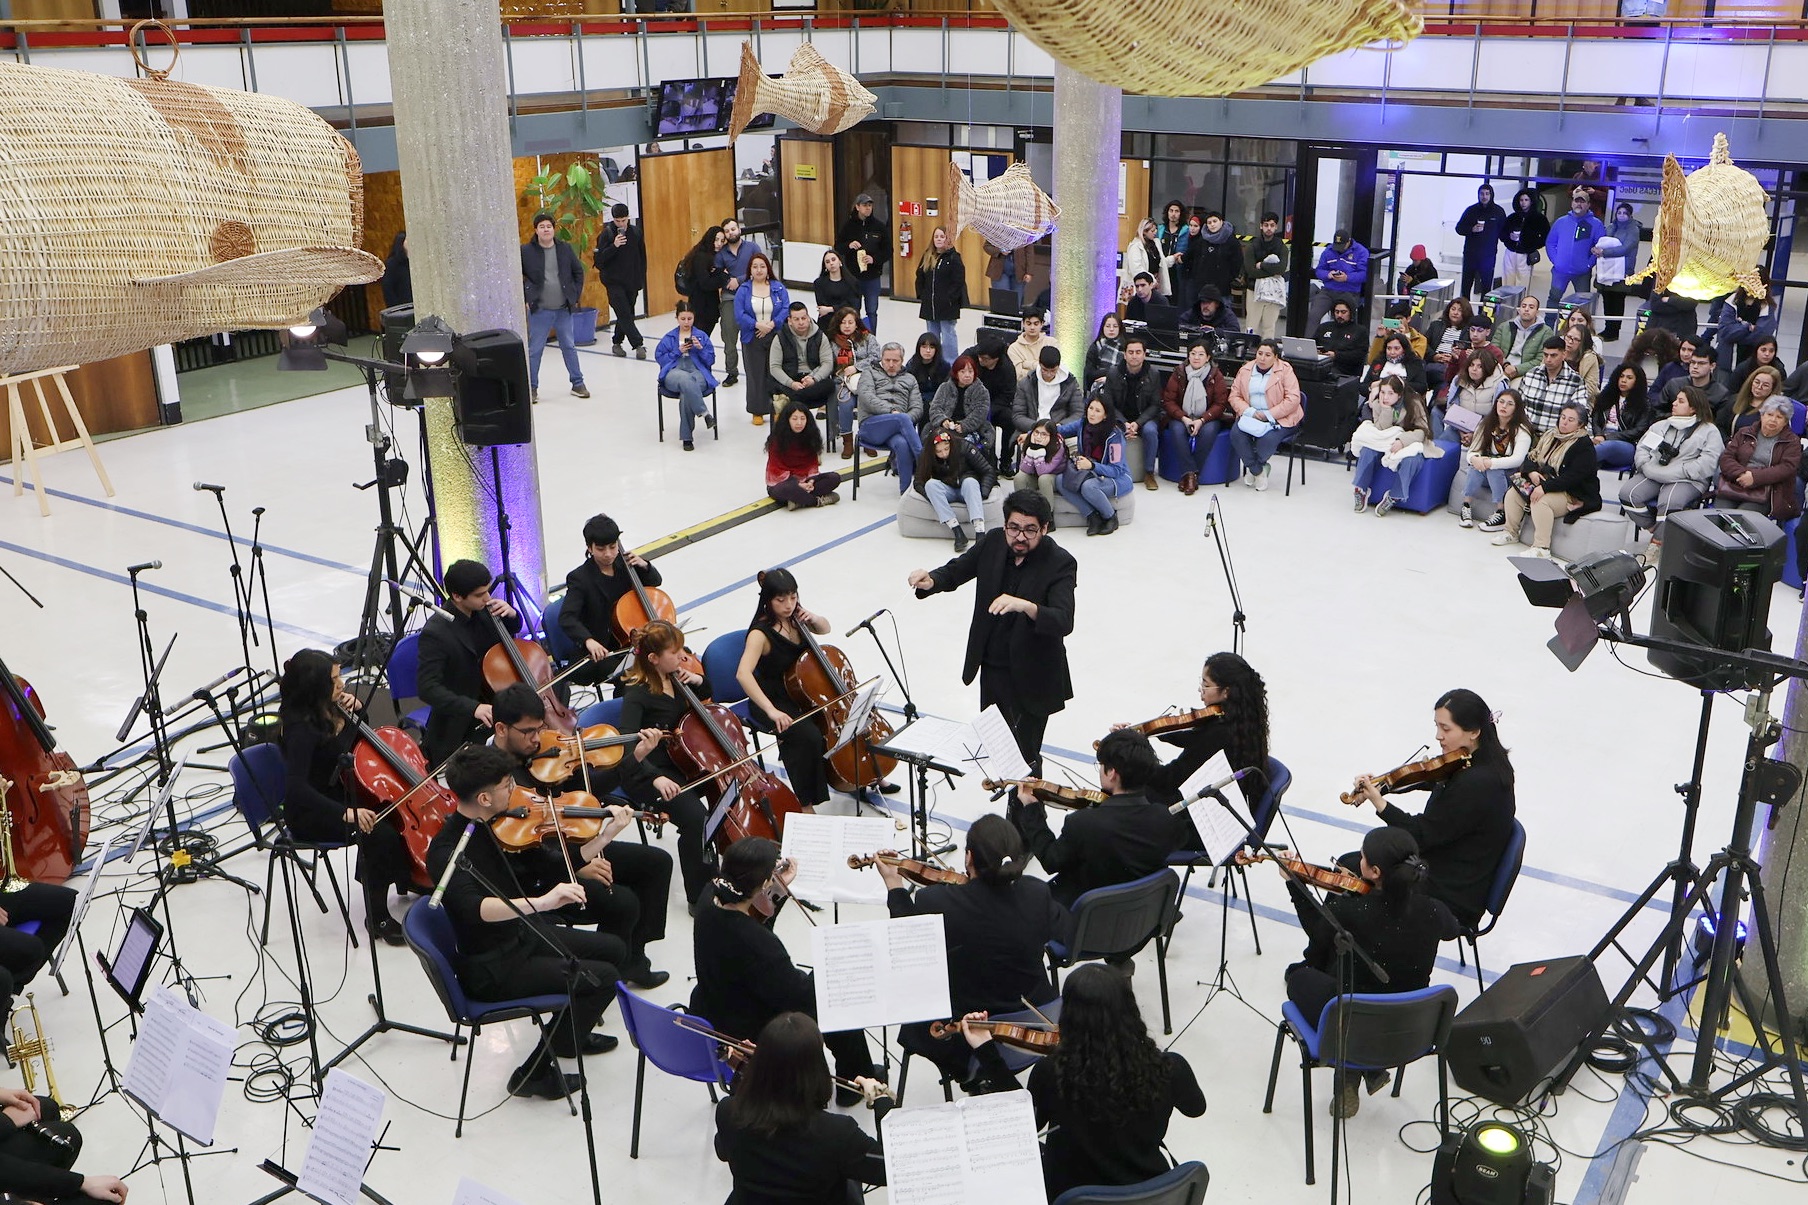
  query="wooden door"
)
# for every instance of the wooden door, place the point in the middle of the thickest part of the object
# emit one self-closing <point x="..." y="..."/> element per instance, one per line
<point x="807" y="189"/>
<point x="919" y="176"/>
<point x="681" y="195"/>
<point x="1136" y="200"/>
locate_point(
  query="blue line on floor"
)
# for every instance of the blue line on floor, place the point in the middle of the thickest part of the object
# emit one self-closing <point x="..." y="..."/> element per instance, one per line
<point x="241" y="541"/>
<point x="837" y="542"/>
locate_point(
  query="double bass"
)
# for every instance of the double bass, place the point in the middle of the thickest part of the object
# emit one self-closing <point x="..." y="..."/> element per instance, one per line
<point x="48" y="801"/>
<point x="513" y="660"/>
<point x="389" y="775"/>
<point x="710" y="744"/>
<point x="824" y="677"/>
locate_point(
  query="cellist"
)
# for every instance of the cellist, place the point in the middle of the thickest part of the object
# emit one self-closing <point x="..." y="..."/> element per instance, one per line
<point x="453" y="643"/>
<point x="593" y="589"/>
<point x="774" y="643"/>
<point x="649" y="700"/>
<point x="317" y="742"/>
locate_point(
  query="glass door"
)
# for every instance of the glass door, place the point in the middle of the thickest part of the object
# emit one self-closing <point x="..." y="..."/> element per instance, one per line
<point x="1341" y="181"/>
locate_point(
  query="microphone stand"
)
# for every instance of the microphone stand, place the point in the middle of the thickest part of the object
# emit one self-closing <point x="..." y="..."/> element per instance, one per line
<point x="241" y="589"/>
<point x="262" y="578"/>
<point x="910" y="707"/>
<point x="1214" y="527"/>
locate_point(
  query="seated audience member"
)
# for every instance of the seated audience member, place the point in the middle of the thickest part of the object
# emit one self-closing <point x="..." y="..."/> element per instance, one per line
<point x="891" y="411"/>
<point x="855" y="351"/>
<point x="835" y="287"/>
<point x="1027" y="347"/>
<point x="1758" y="469"/>
<point x="1445" y="337"/>
<point x="1049" y="392"/>
<point x="1041" y="460"/>
<point x="951" y="471"/>
<point x="1676" y="461"/>
<point x="1394" y="357"/>
<point x="1132" y="392"/>
<point x="1764" y="355"/>
<point x="928" y="366"/>
<point x="1654" y="350"/>
<point x="1210" y="312"/>
<point x="1550" y="385"/>
<point x="1521" y="337"/>
<point x="1760" y="387"/>
<point x="1479" y="343"/>
<point x="1398" y="322"/>
<point x="685" y="356"/>
<point x="1419" y="269"/>
<point x="1579" y="353"/>
<point x="1677" y="369"/>
<point x="801" y="363"/>
<point x="1396" y="434"/>
<point x="1196" y="400"/>
<point x="963" y="405"/>
<point x="1342" y="272"/>
<point x="1342" y="339"/>
<point x="794" y="473"/>
<point x="1106" y="353"/>
<point x="997" y="374"/>
<point x="1095" y="475"/>
<point x="1558" y="480"/>
<point x="1266" y="401"/>
<point x="1472" y="391"/>
<point x="1701" y="364"/>
<point x="1621" y="414"/>
<point x="1496" y="450"/>
<point x="1141" y="296"/>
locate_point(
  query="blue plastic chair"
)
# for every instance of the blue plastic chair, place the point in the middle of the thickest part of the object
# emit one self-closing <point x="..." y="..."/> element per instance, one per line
<point x="1221" y="464"/>
<point x="673" y="1049"/>
<point x="1184" y="1184"/>
<point x="1792" y="573"/>
<point x="1119" y="919"/>
<point x="431" y="937"/>
<point x="259" y="786"/>
<point x="403" y="672"/>
<point x="1267" y="806"/>
<point x="563" y="651"/>
<point x="1506" y="873"/>
<point x="720" y="661"/>
<point x="1366" y="1032"/>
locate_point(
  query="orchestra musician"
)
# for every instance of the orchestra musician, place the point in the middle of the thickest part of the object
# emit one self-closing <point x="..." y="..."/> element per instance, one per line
<point x="626" y="883"/>
<point x="1106" y="1093"/>
<point x="317" y="743"/>
<point x="453" y="643"/>
<point x="500" y="960"/>
<point x="745" y="976"/>
<point x="774" y="643"/>
<point x="1229" y="683"/>
<point x="37" y="1151"/>
<point x="649" y="700"/>
<point x="593" y="589"/>
<point x="1023" y="611"/>
<point x="776" y="1134"/>
<point x="996" y="925"/>
<point x="1468" y="820"/>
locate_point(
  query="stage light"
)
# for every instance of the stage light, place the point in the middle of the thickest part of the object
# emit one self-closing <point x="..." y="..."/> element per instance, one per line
<point x="1490" y="1163"/>
<point x="1597" y="587"/>
<point x="425" y="350"/>
<point x="308" y="339"/>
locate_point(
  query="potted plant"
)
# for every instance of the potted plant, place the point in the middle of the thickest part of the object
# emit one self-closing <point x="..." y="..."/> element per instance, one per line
<point x="579" y="205"/>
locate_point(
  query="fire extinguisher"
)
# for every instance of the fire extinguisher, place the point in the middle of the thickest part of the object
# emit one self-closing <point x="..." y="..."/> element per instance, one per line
<point x="904" y="238"/>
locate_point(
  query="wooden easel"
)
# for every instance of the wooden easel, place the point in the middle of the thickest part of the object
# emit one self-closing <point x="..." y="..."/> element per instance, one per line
<point x="26" y="452"/>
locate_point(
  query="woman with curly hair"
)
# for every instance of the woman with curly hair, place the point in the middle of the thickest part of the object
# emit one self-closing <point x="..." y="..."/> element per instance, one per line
<point x="1239" y="731"/>
<point x="1106" y="1093"/>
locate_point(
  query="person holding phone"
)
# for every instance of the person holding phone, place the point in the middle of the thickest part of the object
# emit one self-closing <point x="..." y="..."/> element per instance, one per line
<point x="685" y="356"/>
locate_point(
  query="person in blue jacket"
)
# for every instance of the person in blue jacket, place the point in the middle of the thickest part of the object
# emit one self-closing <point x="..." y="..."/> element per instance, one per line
<point x="1571" y="245"/>
<point x="1480" y="227"/>
<point x="1343" y="269"/>
<point x="761" y="305"/>
<point x="685" y="356"/>
<point x="1095" y="476"/>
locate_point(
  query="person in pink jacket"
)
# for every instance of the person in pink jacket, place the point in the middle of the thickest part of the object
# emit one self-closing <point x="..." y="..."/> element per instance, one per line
<point x="1268" y="406"/>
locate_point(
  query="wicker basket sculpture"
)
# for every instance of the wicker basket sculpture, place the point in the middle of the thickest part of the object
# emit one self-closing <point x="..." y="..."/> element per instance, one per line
<point x="1204" y="47"/>
<point x="1711" y="228"/>
<point x="1009" y="212"/>
<point x="814" y="93"/>
<point x="144" y="211"/>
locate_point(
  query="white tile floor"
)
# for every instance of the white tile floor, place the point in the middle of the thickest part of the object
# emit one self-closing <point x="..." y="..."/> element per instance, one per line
<point x="1357" y="623"/>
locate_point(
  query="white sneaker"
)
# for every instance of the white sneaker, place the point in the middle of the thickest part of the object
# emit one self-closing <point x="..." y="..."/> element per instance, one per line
<point x="1262" y="479"/>
<point x="1543" y="554"/>
<point x="1503" y="539"/>
<point x="1248" y="478"/>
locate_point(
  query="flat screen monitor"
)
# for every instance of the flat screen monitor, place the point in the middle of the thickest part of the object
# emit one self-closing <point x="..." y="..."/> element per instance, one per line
<point x="131" y="963"/>
<point x="730" y="86"/>
<point x="690" y="106"/>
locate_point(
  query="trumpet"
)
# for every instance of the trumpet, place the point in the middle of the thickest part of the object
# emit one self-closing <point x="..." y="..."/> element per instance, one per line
<point x="23" y="1049"/>
<point x="10" y="879"/>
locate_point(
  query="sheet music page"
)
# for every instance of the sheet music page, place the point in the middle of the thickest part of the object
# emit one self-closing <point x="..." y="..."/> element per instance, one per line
<point x="916" y="970"/>
<point x="980" y="1148"/>
<point x="858" y="714"/>
<point x="344" y="1129"/>
<point x="81" y="905"/>
<point x="1002" y="758"/>
<point x="197" y="1080"/>
<point x="161" y="1032"/>
<point x="922" y="1157"/>
<point x="1216" y="767"/>
<point x="948" y="741"/>
<point x="883" y="972"/>
<point x="470" y="1192"/>
<point x="820" y="846"/>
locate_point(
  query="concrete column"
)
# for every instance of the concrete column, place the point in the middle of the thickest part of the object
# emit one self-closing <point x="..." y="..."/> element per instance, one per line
<point x="450" y="82"/>
<point x="1089" y="124"/>
<point x="1780" y="850"/>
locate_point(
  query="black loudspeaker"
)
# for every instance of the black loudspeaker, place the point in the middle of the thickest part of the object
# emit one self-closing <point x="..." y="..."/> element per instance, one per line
<point x="1518" y="1031"/>
<point x="493" y="401"/>
<point x="396" y="322"/>
<point x="1713" y="588"/>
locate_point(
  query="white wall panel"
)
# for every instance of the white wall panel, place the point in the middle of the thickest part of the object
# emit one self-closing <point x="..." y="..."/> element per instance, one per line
<point x="611" y="62"/>
<point x="367" y="64"/>
<point x="307" y="75"/>
<point x="542" y="65"/>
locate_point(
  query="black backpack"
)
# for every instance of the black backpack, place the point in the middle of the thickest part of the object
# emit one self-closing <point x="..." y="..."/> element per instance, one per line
<point x="681" y="279"/>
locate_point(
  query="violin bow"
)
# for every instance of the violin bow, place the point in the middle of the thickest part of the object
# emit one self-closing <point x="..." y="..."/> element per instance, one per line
<point x="739" y="762"/>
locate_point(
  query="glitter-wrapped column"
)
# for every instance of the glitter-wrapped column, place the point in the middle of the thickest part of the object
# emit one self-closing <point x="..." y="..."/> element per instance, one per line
<point x="1782" y="841"/>
<point x="1089" y="121"/>
<point x="447" y="71"/>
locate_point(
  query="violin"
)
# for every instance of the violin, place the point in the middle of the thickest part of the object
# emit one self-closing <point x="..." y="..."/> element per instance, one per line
<point x="577" y="816"/>
<point x="512" y="660"/>
<point x="1180" y="721"/>
<point x="389" y="775"/>
<point x="710" y="744"/>
<point x="1007" y="1033"/>
<point x="914" y="870"/>
<point x="1050" y="792"/>
<point x="1329" y="878"/>
<point x="735" y="1052"/>
<point x="640" y="606"/>
<point x="824" y="677"/>
<point x="48" y="801"/>
<point x="598" y="747"/>
<point x="1415" y="774"/>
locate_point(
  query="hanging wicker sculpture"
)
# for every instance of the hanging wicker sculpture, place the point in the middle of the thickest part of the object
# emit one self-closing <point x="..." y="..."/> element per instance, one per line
<point x="814" y="93"/>
<point x="145" y="211"/>
<point x="1009" y="212"/>
<point x="1205" y="47"/>
<point x="1711" y="228"/>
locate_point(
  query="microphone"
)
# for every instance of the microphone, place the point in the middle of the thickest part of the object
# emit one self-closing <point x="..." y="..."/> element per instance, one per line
<point x="212" y="489"/>
<point x="425" y="600"/>
<point x="1211" y="516"/>
<point x="936" y="853"/>
<point x="135" y="570"/>
<point x="866" y="623"/>
<point x="458" y="851"/>
<point x="1213" y="789"/>
<point x="206" y="692"/>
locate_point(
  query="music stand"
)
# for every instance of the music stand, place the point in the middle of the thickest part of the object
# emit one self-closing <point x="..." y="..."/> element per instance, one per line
<point x="900" y="747"/>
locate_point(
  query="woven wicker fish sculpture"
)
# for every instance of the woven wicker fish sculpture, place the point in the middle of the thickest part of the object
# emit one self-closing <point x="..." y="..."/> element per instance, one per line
<point x="1205" y="47"/>
<point x="1711" y="229"/>
<point x="147" y="211"/>
<point x="814" y="93"/>
<point x="1008" y="211"/>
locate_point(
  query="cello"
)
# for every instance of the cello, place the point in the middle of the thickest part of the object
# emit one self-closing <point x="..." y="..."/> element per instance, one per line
<point x="641" y="606"/>
<point x="389" y="775"/>
<point x="513" y="660"/>
<point x="710" y="743"/>
<point x="48" y="801"/>
<point x="824" y="677"/>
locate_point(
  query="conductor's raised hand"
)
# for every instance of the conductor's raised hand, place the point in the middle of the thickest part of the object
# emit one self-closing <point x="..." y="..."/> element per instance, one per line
<point x="920" y="580"/>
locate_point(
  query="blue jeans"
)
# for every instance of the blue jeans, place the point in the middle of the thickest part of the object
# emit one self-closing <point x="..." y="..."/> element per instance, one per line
<point x="1254" y="452"/>
<point x="686" y="383"/>
<point x="898" y="434"/>
<point x="1094" y="497"/>
<point x="1488" y="483"/>
<point x="1189" y="452"/>
<point x="869" y="289"/>
<point x="944" y="330"/>
<point x="542" y="323"/>
<point x="943" y="498"/>
<point x="1561" y="286"/>
<point x="1615" y="453"/>
<point x="1368" y="460"/>
<point x="1151" y="433"/>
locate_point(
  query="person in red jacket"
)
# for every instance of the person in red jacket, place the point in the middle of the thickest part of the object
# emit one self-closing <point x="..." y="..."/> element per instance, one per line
<point x="1195" y="399"/>
<point x="794" y="461"/>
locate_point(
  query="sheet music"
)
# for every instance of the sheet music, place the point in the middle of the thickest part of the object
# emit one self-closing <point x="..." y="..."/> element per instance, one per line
<point x="820" y="846"/>
<point x="1216" y="767"/>
<point x="947" y="741"/>
<point x="81" y="905"/>
<point x="1220" y="829"/>
<point x="979" y="1148"/>
<point x="1001" y="757"/>
<point x="859" y="714"/>
<point x="470" y="1192"/>
<point x="179" y="1065"/>
<point x="883" y="972"/>
<point x="344" y="1129"/>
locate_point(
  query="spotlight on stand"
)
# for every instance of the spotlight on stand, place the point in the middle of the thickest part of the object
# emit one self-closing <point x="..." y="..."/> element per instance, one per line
<point x="308" y="339"/>
<point x="1595" y="588"/>
<point x="1490" y="1163"/>
<point x="426" y="350"/>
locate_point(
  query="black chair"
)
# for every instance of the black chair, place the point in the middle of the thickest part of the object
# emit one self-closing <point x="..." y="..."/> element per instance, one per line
<point x="259" y="785"/>
<point x="1506" y="873"/>
<point x="1119" y="919"/>
<point x="1184" y="1184"/>
<point x="660" y="394"/>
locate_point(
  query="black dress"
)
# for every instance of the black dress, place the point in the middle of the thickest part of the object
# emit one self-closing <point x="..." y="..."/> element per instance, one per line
<point x="314" y="806"/>
<point x="801" y="746"/>
<point x="644" y="708"/>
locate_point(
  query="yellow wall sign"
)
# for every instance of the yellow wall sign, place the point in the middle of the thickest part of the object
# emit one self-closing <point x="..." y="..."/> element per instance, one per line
<point x="804" y="171"/>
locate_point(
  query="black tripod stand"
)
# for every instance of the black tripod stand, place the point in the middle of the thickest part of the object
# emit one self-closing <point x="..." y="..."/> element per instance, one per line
<point x="1214" y="527"/>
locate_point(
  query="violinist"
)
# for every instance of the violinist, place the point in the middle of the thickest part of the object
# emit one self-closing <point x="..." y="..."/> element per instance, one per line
<point x="1394" y="921"/>
<point x="453" y="643"/>
<point x="997" y="925"/>
<point x="317" y="742"/>
<point x="745" y="976"/>
<point x="1106" y="1093"/>
<point x="1468" y="820"/>
<point x="649" y="701"/>
<point x="37" y="1151"/>
<point x="498" y="959"/>
<point x="1240" y="732"/>
<point x="593" y="589"/>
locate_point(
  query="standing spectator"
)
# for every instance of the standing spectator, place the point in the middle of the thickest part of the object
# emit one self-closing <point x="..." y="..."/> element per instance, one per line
<point x="1758" y="469"/>
<point x="1106" y="353"/>
<point x="1523" y="235"/>
<point x="1614" y="266"/>
<point x="552" y="280"/>
<point x="1559" y="479"/>
<point x="704" y="279"/>
<point x="1675" y="313"/>
<point x="760" y="305"/>
<point x="794" y="473"/>
<point x="1395" y="435"/>
<point x="928" y="365"/>
<point x="941" y="285"/>
<point x="836" y="286"/>
<point x="1213" y="257"/>
<point x="1743" y="323"/>
<point x="802" y="365"/>
<point x="1579" y="353"/>
<point x="1049" y="392"/>
<point x="963" y="405"/>
<point x="1265" y="265"/>
<point x="398" y="275"/>
<point x="1676" y="462"/>
<point x="1343" y="271"/>
<point x="1571" y="243"/>
<point x="685" y="357"/>
<point x="855" y="351"/>
<point x="736" y="260"/>
<point x="1173" y="233"/>
<point x="1095" y="476"/>
<point x="1211" y="312"/>
<point x="1179" y="270"/>
<point x="1522" y="337"/>
<point x="1133" y="393"/>
<point x="1622" y="413"/>
<point x="1008" y="270"/>
<point x="865" y="239"/>
<point x="1266" y="399"/>
<point x="1195" y="399"/>
<point x="951" y="472"/>
<point x="1143" y="254"/>
<point x="1342" y="339"/>
<point x="1026" y="349"/>
<point x="1550" y="386"/>
<point x="1497" y="449"/>
<point x="621" y="261"/>
<point x="1480" y="226"/>
<point x="891" y="410"/>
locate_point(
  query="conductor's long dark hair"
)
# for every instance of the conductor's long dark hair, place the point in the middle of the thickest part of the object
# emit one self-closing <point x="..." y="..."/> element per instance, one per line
<point x="1107" y="1065"/>
<point x="1472" y="715"/>
<point x="786" y="1082"/>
